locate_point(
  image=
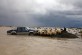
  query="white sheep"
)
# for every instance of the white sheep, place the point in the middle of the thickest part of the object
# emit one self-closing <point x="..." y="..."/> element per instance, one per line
<point x="41" y="31"/>
<point x="58" y="30"/>
<point x="49" y="31"/>
<point x="54" y="32"/>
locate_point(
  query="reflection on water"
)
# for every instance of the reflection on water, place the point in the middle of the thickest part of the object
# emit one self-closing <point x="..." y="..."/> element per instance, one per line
<point x="37" y="45"/>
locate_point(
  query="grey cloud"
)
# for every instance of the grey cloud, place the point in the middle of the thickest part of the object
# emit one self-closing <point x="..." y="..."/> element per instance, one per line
<point x="41" y="12"/>
<point x="76" y="3"/>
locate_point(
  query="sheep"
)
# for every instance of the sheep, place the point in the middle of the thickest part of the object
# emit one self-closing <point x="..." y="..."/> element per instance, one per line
<point x="58" y="31"/>
<point x="54" y="32"/>
<point x="41" y="31"/>
<point x="49" y="31"/>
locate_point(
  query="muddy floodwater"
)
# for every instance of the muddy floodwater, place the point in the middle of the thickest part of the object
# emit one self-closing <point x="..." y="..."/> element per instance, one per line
<point x="37" y="45"/>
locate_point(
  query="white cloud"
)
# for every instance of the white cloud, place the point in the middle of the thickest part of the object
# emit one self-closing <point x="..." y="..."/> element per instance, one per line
<point x="36" y="6"/>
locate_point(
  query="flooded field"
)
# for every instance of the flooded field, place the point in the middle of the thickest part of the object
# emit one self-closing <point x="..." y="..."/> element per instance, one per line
<point x="37" y="45"/>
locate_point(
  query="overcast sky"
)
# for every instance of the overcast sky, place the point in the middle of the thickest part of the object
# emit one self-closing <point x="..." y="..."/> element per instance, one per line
<point x="62" y="13"/>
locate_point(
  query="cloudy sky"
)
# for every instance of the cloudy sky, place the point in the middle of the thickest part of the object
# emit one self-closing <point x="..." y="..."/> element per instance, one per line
<point x="61" y="13"/>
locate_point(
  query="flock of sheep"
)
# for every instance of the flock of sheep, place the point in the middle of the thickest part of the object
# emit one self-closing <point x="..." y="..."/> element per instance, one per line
<point x="49" y="31"/>
<point x="59" y="32"/>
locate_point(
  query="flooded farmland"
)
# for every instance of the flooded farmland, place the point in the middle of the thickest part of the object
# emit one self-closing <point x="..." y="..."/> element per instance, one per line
<point x="37" y="45"/>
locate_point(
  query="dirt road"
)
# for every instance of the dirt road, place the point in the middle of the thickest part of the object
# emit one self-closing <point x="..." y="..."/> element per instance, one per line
<point x="37" y="45"/>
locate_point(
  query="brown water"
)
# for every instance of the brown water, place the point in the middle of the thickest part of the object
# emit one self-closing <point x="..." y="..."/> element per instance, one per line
<point x="37" y="45"/>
